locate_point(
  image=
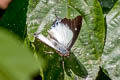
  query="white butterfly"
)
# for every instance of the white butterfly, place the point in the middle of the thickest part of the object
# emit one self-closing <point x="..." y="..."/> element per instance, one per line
<point x="62" y="35"/>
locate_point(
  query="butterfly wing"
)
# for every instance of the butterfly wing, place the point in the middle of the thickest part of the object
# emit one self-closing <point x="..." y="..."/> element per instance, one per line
<point x="62" y="51"/>
<point x="75" y="26"/>
<point x="63" y="34"/>
<point x="65" y="31"/>
<point x="45" y="40"/>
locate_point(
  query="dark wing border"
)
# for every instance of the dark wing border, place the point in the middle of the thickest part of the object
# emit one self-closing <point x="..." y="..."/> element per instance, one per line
<point x="75" y="25"/>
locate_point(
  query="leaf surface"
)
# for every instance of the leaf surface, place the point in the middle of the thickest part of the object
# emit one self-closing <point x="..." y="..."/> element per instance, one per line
<point x="111" y="55"/>
<point x="89" y="46"/>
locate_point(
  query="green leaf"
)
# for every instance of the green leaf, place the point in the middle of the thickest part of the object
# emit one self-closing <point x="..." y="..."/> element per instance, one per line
<point x="43" y="15"/>
<point x="14" y="17"/>
<point x="72" y="63"/>
<point x="89" y="45"/>
<point x="53" y="67"/>
<point x="67" y="69"/>
<point x="107" y="5"/>
<point x="111" y="54"/>
<point x="95" y="29"/>
<point x="16" y="60"/>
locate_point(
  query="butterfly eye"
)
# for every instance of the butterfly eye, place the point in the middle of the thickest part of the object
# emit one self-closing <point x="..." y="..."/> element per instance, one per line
<point x="55" y="24"/>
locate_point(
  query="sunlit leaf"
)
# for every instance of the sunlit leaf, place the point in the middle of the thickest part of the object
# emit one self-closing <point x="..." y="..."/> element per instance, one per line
<point x="111" y="56"/>
<point x="89" y="45"/>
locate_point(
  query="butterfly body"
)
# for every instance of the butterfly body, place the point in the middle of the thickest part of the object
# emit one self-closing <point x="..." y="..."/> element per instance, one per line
<point x="62" y="35"/>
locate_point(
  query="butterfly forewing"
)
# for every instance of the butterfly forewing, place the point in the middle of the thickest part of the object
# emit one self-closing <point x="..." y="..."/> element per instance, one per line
<point x="60" y="49"/>
<point x="75" y="26"/>
<point x="61" y="33"/>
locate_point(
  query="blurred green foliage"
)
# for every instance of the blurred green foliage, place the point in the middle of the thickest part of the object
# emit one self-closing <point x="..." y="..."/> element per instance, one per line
<point x="16" y="60"/>
<point x="14" y="18"/>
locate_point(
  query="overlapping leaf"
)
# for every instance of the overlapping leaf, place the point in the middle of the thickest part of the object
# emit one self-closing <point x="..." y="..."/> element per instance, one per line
<point x="111" y="56"/>
<point x="107" y="5"/>
<point x="90" y="43"/>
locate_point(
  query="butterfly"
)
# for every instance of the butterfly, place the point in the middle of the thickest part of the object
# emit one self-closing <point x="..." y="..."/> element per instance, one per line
<point x="62" y="35"/>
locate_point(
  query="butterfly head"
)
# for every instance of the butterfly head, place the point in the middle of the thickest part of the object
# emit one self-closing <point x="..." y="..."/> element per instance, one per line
<point x="56" y="23"/>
